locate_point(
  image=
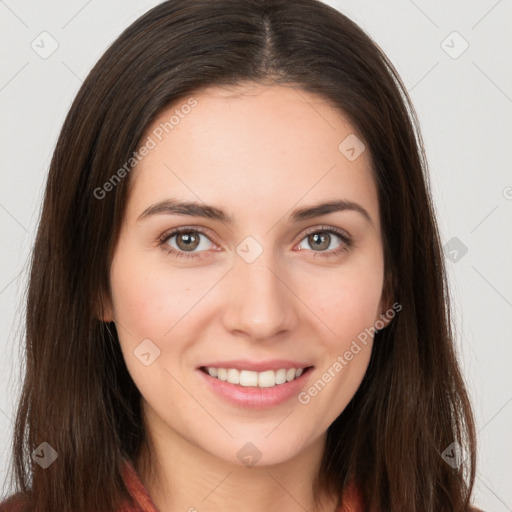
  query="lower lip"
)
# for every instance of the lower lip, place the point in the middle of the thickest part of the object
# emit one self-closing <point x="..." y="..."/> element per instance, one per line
<point x="255" y="397"/>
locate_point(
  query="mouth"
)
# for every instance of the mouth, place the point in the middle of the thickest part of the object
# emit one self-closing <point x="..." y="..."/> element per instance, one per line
<point x="256" y="390"/>
<point x="263" y="379"/>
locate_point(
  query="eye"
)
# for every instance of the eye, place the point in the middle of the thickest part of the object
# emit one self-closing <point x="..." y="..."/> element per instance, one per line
<point x="320" y="239"/>
<point x="187" y="239"/>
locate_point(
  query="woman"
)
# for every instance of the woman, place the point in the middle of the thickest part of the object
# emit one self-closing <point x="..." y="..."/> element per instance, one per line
<point x="237" y="295"/>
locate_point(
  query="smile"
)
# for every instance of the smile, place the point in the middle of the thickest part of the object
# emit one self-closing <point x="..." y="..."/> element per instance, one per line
<point x="247" y="378"/>
<point x="255" y="384"/>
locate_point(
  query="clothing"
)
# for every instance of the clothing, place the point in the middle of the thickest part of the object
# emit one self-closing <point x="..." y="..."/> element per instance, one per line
<point x="141" y="498"/>
<point x="142" y="502"/>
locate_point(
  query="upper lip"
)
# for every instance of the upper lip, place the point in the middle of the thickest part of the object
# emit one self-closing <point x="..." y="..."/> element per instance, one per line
<point x="256" y="366"/>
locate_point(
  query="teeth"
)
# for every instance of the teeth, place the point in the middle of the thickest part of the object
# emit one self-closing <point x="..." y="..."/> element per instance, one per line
<point x="267" y="379"/>
<point x="233" y="376"/>
<point x="281" y="376"/>
<point x="248" y="378"/>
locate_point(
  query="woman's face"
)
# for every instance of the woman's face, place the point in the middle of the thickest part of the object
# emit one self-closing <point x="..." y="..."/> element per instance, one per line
<point x="270" y="289"/>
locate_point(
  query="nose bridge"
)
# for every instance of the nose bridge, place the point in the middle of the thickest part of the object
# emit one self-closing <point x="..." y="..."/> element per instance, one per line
<point x="259" y="302"/>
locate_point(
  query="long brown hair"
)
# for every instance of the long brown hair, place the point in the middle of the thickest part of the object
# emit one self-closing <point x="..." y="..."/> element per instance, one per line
<point x="78" y="395"/>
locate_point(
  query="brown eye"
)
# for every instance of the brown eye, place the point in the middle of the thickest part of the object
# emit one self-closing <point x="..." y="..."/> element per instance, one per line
<point x="187" y="241"/>
<point x="321" y="239"/>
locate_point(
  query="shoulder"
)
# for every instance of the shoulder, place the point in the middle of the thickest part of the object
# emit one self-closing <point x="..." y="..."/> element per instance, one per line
<point x="138" y="496"/>
<point x="15" y="503"/>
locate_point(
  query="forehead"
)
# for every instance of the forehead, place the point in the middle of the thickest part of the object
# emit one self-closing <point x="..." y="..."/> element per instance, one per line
<point x="250" y="146"/>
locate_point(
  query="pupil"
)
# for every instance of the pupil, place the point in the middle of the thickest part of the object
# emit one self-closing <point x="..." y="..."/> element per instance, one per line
<point x="186" y="239"/>
<point x="319" y="239"/>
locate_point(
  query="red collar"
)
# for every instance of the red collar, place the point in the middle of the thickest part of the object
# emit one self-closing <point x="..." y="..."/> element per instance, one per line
<point x="139" y="494"/>
<point x="143" y="502"/>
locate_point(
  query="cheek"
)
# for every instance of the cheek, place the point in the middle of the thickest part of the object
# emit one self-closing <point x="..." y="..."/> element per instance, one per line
<point x="145" y="309"/>
<point x="142" y="299"/>
<point x="348" y="303"/>
<point x="349" y="312"/>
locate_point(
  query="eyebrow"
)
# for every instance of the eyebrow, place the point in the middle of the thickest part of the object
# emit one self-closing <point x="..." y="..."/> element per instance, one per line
<point x="195" y="209"/>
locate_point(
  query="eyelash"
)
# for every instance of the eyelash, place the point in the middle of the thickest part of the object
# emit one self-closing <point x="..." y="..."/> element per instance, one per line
<point x="347" y="242"/>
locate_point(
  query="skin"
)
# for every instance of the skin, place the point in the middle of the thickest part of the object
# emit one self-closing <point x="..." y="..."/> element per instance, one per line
<point x="258" y="152"/>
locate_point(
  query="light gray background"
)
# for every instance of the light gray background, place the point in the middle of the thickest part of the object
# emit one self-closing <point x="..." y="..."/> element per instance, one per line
<point x="464" y="105"/>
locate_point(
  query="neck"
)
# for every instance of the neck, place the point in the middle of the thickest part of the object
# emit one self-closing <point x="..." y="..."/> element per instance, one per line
<point x="180" y="476"/>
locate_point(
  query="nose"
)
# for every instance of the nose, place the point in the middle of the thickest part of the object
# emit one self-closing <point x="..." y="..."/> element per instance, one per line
<point x="260" y="303"/>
